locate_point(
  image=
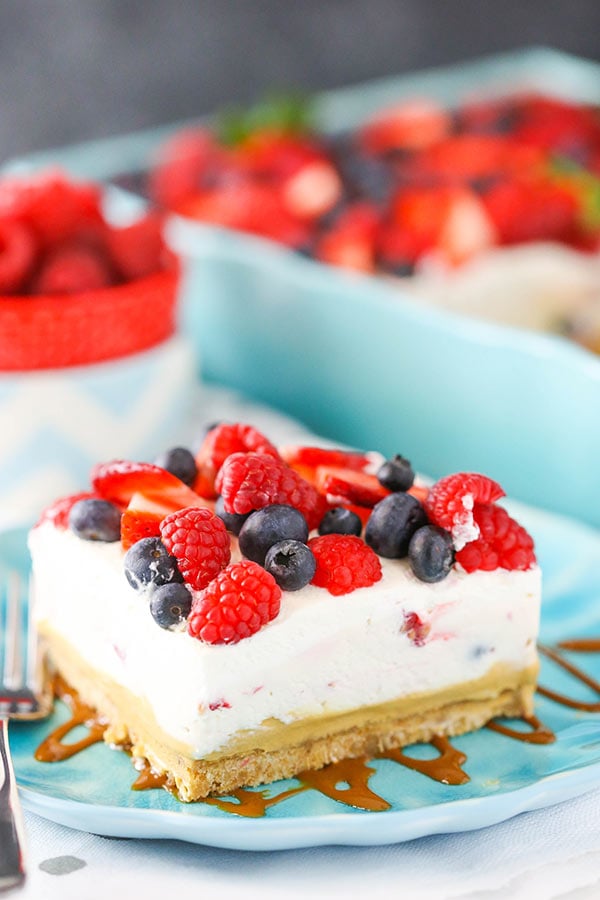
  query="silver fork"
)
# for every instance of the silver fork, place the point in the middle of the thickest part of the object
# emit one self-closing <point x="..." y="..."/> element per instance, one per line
<point x="24" y="694"/>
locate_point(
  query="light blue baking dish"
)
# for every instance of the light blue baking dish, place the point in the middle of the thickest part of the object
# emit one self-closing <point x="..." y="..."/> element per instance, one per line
<point x="361" y="363"/>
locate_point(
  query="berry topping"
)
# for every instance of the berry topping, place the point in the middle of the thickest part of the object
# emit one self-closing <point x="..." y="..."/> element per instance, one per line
<point x="340" y="520"/>
<point x="137" y="524"/>
<point x="17" y="254"/>
<point x="170" y="604"/>
<point x="347" y="484"/>
<point x="238" y="603"/>
<point x="249" y="481"/>
<point x="451" y="500"/>
<point x="268" y="526"/>
<point x="232" y="521"/>
<point x="344" y="563"/>
<point x="291" y="563"/>
<point x="392" y="524"/>
<point x="198" y="540"/>
<point x="396" y="474"/>
<point x="180" y="462"/>
<point x="431" y="553"/>
<point x="149" y="563"/>
<point x="95" y="520"/>
<point x="120" y="480"/>
<point x="502" y="542"/>
<point x="58" y="513"/>
<point x="312" y="457"/>
<point x="220" y="442"/>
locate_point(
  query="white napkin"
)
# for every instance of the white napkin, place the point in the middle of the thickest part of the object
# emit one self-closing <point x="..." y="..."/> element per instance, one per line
<point x="543" y="855"/>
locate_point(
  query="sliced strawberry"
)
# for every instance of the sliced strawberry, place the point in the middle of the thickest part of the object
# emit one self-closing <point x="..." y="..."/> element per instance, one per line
<point x="356" y="487"/>
<point x="467" y="230"/>
<point x="420" y="492"/>
<point x="409" y="126"/>
<point x="136" y="524"/>
<point x="311" y="457"/>
<point x="313" y="190"/>
<point x="351" y="241"/>
<point x="118" y="481"/>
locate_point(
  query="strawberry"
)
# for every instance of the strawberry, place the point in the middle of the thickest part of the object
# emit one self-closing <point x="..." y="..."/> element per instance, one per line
<point x="313" y="190"/>
<point x="351" y="241"/>
<point x="346" y="484"/>
<point x="468" y="228"/>
<point x="137" y="524"/>
<point x="295" y="454"/>
<point x="119" y="480"/>
<point x="185" y="162"/>
<point x="530" y="210"/>
<point x="409" y="126"/>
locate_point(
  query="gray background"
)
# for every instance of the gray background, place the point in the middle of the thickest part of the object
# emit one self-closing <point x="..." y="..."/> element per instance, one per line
<point x="77" y="69"/>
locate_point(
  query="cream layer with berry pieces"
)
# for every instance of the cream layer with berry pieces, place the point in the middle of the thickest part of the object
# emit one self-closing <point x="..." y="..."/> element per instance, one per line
<point x="285" y="608"/>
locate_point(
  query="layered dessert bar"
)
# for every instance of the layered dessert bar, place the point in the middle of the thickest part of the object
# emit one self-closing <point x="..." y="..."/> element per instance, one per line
<point x="251" y="612"/>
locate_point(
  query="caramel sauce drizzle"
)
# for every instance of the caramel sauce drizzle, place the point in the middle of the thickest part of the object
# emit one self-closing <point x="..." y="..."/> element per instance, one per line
<point x="52" y="749"/>
<point x="586" y="646"/>
<point x="345" y="781"/>
<point x="538" y="733"/>
<point x="445" y="768"/>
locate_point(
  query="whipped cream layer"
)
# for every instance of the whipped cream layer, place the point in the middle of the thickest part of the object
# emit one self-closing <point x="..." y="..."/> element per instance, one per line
<point x="322" y="655"/>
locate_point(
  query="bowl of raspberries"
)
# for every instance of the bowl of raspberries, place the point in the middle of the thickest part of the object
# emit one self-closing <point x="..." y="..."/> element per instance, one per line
<point x="89" y="350"/>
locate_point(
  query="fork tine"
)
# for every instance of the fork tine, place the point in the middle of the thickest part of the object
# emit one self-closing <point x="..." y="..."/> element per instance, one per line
<point x="13" y="665"/>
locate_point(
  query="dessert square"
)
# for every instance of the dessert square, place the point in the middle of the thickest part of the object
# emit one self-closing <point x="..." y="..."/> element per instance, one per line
<point x="249" y="612"/>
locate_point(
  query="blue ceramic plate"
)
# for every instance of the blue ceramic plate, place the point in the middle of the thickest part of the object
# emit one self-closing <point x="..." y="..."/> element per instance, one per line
<point x="92" y="791"/>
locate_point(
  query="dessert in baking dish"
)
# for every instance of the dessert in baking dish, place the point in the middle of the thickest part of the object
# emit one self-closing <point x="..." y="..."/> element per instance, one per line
<point x="252" y="612"/>
<point x="90" y="359"/>
<point x="489" y="209"/>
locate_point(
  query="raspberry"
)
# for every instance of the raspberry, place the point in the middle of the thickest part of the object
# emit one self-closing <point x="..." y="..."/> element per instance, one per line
<point x="502" y="544"/>
<point x="450" y="503"/>
<point x="199" y="542"/>
<point x="249" y="481"/>
<point x="220" y="442"/>
<point x="71" y="269"/>
<point x="17" y="252"/>
<point x="137" y="249"/>
<point x="240" y="600"/>
<point x="344" y="563"/>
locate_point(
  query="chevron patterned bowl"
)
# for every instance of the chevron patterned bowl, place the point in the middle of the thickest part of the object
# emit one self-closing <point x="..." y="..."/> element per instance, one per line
<point x="55" y="423"/>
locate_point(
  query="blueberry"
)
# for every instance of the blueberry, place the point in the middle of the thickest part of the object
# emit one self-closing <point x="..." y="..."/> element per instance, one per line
<point x="340" y="520"/>
<point x="95" y="520"/>
<point x="431" y="553"/>
<point x="392" y="523"/>
<point x="268" y="526"/>
<point x="148" y="562"/>
<point x="396" y="474"/>
<point x="291" y="563"/>
<point x="179" y="462"/>
<point x="232" y="521"/>
<point x="170" y="604"/>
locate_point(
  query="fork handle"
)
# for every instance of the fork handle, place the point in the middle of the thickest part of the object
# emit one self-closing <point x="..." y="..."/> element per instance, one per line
<point x="12" y="871"/>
